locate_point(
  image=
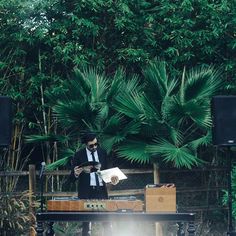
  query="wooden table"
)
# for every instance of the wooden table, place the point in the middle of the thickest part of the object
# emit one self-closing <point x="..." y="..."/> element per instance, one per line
<point x="51" y="217"/>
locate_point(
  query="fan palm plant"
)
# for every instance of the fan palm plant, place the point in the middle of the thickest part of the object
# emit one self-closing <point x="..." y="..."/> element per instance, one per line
<point x="161" y="118"/>
<point x="84" y="103"/>
<point x="174" y="115"/>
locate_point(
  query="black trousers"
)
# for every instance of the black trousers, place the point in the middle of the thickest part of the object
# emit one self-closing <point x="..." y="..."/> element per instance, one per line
<point x="95" y="192"/>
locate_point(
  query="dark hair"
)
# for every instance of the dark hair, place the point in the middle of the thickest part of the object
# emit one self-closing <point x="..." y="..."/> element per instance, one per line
<point x="89" y="136"/>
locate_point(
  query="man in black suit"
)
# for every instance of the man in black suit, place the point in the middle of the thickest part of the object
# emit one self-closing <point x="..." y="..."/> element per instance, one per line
<point x="90" y="185"/>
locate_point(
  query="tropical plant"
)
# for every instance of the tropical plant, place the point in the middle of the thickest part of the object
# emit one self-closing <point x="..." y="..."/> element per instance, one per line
<point x="44" y="41"/>
<point x="161" y="119"/>
<point x="85" y="103"/>
<point x="174" y="115"/>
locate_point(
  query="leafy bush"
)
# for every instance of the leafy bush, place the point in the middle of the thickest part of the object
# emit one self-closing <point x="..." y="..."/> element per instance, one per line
<point x="15" y="218"/>
<point x="226" y="194"/>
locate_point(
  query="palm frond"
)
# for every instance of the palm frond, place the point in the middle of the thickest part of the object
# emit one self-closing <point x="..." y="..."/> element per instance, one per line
<point x="150" y="130"/>
<point x="202" y="141"/>
<point x="171" y="87"/>
<point x="177" y="112"/>
<point x="66" y="155"/>
<point x="76" y="88"/>
<point x="72" y="113"/>
<point x="58" y="163"/>
<point x="117" y="84"/>
<point x="156" y="79"/>
<point x="45" y="138"/>
<point x="118" y="124"/>
<point x="132" y="127"/>
<point x="117" y="130"/>
<point x="95" y="84"/>
<point x="120" y="83"/>
<point x="178" y="156"/>
<point x="182" y="87"/>
<point x="151" y="112"/>
<point x="81" y="81"/>
<point x="134" y="151"/>
<point x="108" y="141"/>
<point x="102" y="113"/>
<point x="201" y="115"/>
<point x="113" y="123"/>
<point x="132" y="84"/>
<point x="176" y="136"/>
<point x="129" y="104"/>
<point x="174" y="111"/>
<point x="202" y="83"/>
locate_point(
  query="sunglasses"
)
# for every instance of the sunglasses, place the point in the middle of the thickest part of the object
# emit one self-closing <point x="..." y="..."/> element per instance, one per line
<point x="93" y="145"/>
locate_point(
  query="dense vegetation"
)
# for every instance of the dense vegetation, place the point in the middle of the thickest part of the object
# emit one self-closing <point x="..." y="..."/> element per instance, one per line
<point x="140" y="73"/>
<point x="153" y="63"/>
<point x="43" y="42"/>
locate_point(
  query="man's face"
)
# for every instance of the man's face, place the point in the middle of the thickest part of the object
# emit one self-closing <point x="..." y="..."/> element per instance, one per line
<point x="92" y="145"/>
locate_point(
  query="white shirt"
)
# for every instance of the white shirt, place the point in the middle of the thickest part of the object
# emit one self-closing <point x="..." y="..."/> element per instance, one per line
<point x="92" y="175"/>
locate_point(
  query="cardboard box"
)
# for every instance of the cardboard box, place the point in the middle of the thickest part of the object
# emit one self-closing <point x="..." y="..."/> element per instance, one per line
<point x="160" y="198"/>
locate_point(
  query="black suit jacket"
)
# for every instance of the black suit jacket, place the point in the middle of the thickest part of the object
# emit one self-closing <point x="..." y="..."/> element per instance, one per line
<point x="84" y="178"/>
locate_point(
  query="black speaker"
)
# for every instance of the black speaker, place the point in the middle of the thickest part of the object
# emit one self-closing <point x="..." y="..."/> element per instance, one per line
<point x="224" y="120"/>
<point x="5" y="120"/>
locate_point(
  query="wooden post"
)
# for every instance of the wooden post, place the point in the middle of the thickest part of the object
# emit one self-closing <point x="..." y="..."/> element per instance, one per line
<point x="156" y="173"/>
<point x="32" y="189"/>
<point x="156" y="177"/>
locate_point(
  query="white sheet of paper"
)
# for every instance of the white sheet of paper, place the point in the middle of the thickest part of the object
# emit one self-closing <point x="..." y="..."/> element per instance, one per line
<point x="108" y="173"/>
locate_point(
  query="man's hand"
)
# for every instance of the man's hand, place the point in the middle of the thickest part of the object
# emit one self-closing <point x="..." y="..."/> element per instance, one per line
<point x="114" y="180"/>
<point x="77" y="171"/>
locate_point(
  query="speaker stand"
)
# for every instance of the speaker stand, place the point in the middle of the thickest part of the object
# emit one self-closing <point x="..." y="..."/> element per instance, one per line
<point x="230" y="217"/>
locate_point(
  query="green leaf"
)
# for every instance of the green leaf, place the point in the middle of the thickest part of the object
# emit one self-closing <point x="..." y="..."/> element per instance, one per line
<point x="58" y="163"/>
<point x="45" y="138"/>
<point x="179" y="156"/>
<point x="134" y="151"/>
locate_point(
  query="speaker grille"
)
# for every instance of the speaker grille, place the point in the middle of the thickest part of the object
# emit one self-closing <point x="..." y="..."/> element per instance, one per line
<point x="224" y="120"/>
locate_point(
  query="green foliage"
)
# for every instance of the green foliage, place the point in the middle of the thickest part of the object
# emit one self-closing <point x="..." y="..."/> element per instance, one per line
<point x="86" y="104"/>
<point x="162" y="115"/>
<point x="176" y="116"/>
<point x="139" y="124"/>
<point x="67" y="228"/>
<point x="43" y="42"/>
<point x="134" y="151"/>
<point x="180" y="156"/>
<point x="226" y="195"/>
